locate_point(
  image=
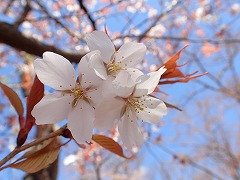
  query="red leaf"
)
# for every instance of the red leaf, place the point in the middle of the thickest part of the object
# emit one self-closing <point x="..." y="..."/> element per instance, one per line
<point x="184" y="80"/>
<point x="109" y="144"/>
<point x="172" y="67"/>
<point x="174" y="73"/>
<point x="13" y="98"/>
<point x="36" y="94"/>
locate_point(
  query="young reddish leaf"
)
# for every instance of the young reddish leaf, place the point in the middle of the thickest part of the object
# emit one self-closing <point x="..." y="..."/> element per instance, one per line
<point x="174" y="72"/>
<point x="171" y="66"/>
<point x="109" y="144"/>
<point x="13" y="98"/>
<point x="38" y="158"/>
<point x="184" y="80"/>
<point x="36" y="94"/>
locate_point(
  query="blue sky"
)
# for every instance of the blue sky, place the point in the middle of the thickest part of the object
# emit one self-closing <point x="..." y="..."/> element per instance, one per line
<point x="176" y="93"/>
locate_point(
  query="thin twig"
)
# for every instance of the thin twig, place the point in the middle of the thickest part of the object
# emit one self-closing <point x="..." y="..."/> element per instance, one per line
<point x="33" y="143"/>
<point x="83" y="7"/>
<point x="168" y="10"/>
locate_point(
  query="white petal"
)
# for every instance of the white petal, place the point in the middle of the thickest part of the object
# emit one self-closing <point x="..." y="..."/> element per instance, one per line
<point x="55" y="71"/>
<point x="129" y="131"/>
<point x="86" y="73"/>
<point x="151" y="80"/>
<point x="96" y="63"/>
<point x="108" y="111"/>
<point x="153" y="109"/>
<point x="123" y="84"/>
<point x="139" y="92"/>
<point x="130" y="54"/>
<point x="107" y="87"/>
<point x="80" y="122"/>
<point x="95" y="96"/>
<point x="135" y="74"/>
<point x="98" y="40"/>
<point x="53" y="108"/>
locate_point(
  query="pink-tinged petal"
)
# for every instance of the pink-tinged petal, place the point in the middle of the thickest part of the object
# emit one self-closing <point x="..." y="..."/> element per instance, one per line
<point x="129" y="131"/>
<point x="80" y="122"/>
<point x="98" y="40"/>
<point x="95" y="96"/>
<point x="130" y="54"/>
<point x="153" y="109"/>
<point x="96" y="63"/>
<point x="55" y="71"/>
<point x="107" y="112"/>
<point x="151" y="80"/>
<point x="123" y="84"/>
<point x="53" y="108"/>
<point x="139" y="92"/>
<point x="87" y="75"/>
<point x="107" y="87"/>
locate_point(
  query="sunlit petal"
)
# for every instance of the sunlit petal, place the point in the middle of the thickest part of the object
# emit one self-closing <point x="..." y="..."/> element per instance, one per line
<point x="53" y="108"/>
<point x="107" y="112"/>
<point x="151" y="80"/>
<point x="123" y="84"/>
<point x="55" y="71"/>
<point x="129" y="131"/>
<point x="96" y="63"/>
<point x="130" y="54"/>
<point x="98" y="40"/>
<point x="87" y="73"/>
<point x="80" y="122"/>
<point x="153" y="109"/>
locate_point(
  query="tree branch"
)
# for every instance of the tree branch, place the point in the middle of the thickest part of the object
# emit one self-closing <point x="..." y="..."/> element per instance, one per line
<point x="14" y="38"/>
<point x="168" y="10"/>
<point x="83" y="7"/>
<point x="21" y="19"/>
<point x="33" y="143"/>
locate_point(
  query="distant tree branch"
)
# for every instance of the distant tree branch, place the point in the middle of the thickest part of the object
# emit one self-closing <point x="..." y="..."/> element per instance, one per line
<point x="21" y="18"/>
<point x="184" y="160"/>
<point x="57" y="21"/>
<point x="14" y="38"/>
<point x="168" y="10"/>
<point x="5" y="11"/>
<point x="174" y="38"/>
<point x="83" y="7"/>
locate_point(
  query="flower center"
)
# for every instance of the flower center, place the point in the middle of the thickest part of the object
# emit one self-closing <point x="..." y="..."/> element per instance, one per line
<point x="78" y="93"/>
<point x="113" y="68"/>
<point x="136" y="104"/>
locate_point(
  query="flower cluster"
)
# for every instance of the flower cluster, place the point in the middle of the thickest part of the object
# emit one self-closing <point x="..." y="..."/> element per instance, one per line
<point x="108" y="91"/>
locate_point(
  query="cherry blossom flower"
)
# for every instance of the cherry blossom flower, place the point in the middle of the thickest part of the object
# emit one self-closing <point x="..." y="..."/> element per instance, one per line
<point x="110" y="62"/>
<point x="132" y="102"/>
<point x="75" y="98"/>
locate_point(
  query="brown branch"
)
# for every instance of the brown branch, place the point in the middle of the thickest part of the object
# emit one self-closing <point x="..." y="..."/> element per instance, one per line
<point x="14" y="38"/>
<point x="192" y="40"/>
<point x="5" y="11"/>
<point x="33" y="143"/>
<point x="83" y="7"/>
